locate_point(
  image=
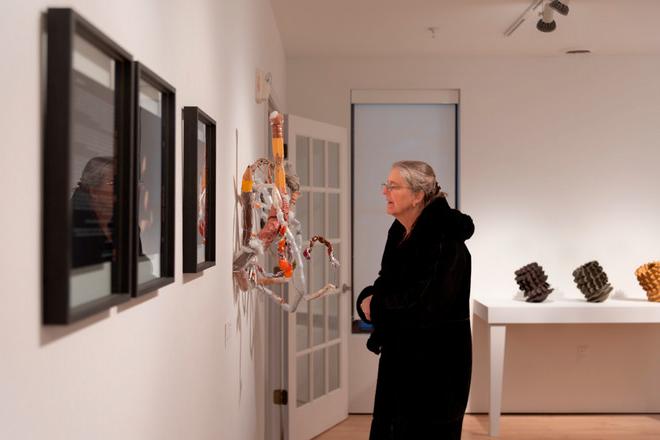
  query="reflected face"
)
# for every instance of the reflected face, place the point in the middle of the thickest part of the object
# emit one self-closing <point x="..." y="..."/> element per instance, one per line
<point x="399" y="196"/>
<point x="104" y="193"/>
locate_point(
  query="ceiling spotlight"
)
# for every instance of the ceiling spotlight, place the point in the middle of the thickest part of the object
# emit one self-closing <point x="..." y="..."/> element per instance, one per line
<point x="560" y="7"/>
<point x="547" y="21"/>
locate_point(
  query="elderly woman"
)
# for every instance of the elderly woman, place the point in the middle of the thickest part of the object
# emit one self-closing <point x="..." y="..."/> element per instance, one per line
<point x="419" y="306"/>
<point x="93" y="213"/>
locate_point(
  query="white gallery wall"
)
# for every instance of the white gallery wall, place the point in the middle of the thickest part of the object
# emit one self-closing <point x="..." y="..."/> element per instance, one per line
<point x="559" y="164"/>
<point x="160" y="367"/>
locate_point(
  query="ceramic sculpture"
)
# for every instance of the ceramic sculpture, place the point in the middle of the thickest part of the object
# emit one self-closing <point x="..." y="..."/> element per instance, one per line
<point x="533" y="282"/>
<point x="592" y="281"/>
<point x="648" y="276"/>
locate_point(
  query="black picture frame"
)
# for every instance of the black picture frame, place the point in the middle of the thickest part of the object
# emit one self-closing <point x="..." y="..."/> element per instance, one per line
<point x="192" y="117"/>
<point x="167" y="178"/>
<point x="64" y="28"/>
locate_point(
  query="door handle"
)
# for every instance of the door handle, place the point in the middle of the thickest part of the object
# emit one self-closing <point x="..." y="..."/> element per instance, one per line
<point x="345" y="288"/>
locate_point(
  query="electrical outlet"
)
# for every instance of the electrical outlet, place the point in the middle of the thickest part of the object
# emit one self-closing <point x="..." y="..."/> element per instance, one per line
<point x="582" y="351"/>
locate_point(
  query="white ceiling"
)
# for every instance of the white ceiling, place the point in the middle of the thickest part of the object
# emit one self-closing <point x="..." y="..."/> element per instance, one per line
<point x="464" y="27"/>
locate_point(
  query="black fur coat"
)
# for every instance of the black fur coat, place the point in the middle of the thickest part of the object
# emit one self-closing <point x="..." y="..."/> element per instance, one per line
<point x="420" y="313"/>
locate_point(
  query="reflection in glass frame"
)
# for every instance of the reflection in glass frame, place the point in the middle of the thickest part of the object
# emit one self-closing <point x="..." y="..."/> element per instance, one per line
<point x="87" y="171"/>
<point x="153" y="249"/>
<point x="198" y="190"/>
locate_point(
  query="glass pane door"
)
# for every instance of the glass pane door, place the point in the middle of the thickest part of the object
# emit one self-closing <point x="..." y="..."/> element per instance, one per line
<point x="317" y="322"/>
<point x="321" y="325"/>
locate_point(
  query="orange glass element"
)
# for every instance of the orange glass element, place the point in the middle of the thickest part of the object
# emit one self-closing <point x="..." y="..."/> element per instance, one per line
<point x="286" y="267"/>
<point x="276" y="122"/>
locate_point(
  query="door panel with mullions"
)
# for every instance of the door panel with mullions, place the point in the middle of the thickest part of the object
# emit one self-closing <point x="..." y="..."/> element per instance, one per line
<point x="317" y="358"/>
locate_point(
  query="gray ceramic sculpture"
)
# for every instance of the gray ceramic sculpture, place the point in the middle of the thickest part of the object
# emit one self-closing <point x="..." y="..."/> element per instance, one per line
<point x="592" y="281"/>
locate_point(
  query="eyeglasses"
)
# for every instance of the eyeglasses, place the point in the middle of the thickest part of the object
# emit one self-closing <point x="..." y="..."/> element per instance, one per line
<point x="389" y="186"/>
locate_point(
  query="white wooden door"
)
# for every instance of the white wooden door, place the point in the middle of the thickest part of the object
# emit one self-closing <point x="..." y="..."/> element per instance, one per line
<point x="318" y="331"/>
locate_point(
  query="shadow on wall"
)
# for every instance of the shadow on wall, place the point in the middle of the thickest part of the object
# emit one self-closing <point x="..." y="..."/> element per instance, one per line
<point x="188" y="277"/>
<point x="136" y="301"/>
<point x="51" y="333"/>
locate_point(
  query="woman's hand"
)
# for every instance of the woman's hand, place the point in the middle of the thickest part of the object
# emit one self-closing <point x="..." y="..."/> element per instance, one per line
<point x="366" y="306"/>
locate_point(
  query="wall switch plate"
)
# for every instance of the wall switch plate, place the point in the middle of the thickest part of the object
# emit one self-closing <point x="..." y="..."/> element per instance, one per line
<point x="582" y="351"/>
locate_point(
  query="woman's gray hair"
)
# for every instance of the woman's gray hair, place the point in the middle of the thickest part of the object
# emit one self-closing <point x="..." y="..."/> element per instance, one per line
<point x="94" y="172"/>
<point x="420" y="177"/>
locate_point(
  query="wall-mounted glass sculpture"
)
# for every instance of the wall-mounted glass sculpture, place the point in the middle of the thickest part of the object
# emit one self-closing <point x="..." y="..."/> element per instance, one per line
<point x="268" y="202"/>
<point x="533" y="281"/>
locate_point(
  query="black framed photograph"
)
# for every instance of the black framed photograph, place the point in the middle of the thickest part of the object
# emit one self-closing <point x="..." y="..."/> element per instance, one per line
<point x="198" y="190"/>
<point x="153" y="249"/>
<point x="87" y="185"/>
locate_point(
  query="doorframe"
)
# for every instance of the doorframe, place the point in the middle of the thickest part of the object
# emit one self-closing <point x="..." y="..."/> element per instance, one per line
<point x="276" y="326"/>
<point x="310" y="409"/>
<point x="277" y="322"/>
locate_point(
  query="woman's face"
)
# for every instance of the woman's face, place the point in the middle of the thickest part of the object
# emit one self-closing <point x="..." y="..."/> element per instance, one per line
<point x="400" y="198"/>
<point x="103" y="194"/>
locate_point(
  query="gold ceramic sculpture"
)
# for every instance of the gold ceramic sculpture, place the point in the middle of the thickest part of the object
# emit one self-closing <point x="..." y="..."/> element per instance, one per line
<point x="648" y="276"/>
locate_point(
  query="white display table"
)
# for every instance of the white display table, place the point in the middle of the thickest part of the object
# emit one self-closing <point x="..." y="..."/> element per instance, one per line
<point x="498" y="313"/>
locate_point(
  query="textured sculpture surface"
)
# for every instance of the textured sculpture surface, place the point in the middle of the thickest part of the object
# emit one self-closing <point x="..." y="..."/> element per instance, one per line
<point x="592" y="281"/>
<point x="270" y="192"/>
<point x="648" y="276"/>
<point x="533" y="282"/>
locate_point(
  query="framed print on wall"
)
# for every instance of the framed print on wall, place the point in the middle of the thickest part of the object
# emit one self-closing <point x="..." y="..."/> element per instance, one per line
<point x="87" y="196"/>
<point x="198" y="190"/>
<point x="153" y="249"/>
